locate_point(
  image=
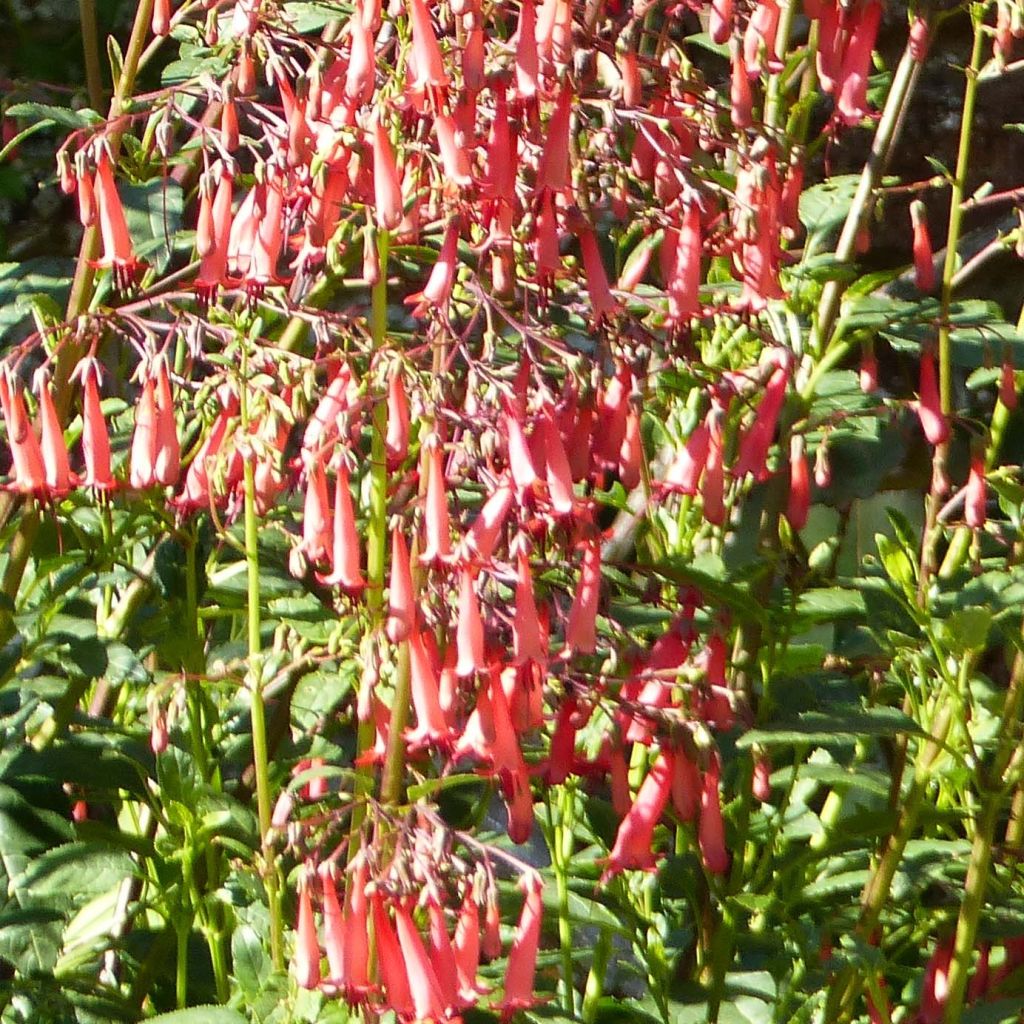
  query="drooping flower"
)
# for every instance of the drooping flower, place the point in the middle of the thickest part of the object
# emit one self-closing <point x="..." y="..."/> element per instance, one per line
<point x="929" y="406"/>
<point x="118" y="251"/>
<point x="436" y="529"/>
<point x="580" y="630"/>
<point x="401" y="603"/>
<point x="470" y="628"/>
<point x="924" y="266"/>
<point x="306" y="959"/>
<point x="95" y="437"/>
<point x="522" y="957"/>
<point x="56" y="465"/>
<point x="345" y="571"/>
<point x="710" y="828"/>
<point x="634" y="840"/>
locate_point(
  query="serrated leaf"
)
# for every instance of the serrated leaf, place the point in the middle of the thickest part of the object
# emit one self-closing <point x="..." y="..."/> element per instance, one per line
<point x="199" y="1015"/>
<point x="821" y="728"/>
<point x="57" y="115"/>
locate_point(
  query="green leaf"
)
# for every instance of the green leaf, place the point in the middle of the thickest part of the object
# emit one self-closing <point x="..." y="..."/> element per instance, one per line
<point x="250" y="961"/>
<point x="823" y="207"/>
<point x="817" y="727"/>
<point x="829" y="604"/>
<point x="317" y="694"/>
<point x="55" y="115"/>
<point x="967" y="629"/>
<point x="200" y="1015"/>
<point x="19" y="281"/>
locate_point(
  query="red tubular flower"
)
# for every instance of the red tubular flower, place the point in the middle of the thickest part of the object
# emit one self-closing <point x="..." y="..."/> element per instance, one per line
<point x="545" y="248"/>
<point x="580" y="630"/>
<point x="401" y="605"/>
<point x="553" y="170"/>
<point x="919" y="38"/>
<point x="602" y="302"/>
<point x="760" y="783"/>
<point x="924" y="265"/>
<point x="558" y="471"/>
<point x="799" y="502"/>
<point x="322" y="428"/>
<point x="357" y="941"/>
<point x="686" y="787"/>
<point x="56" y="465"/>
<point x="438" y="288"/>
<point x="754" y="445"/>
<point x="563" y="743"/>
<point x="470" y="628"/>
<point x="430" y="74"/>
<point x="524" y="474"/>
<point x="428" y="1003"/>
<point x="526" y="52"/>
<point x="334" y="930"/>
<point x="161" y="23"/>
<point x="86" y="192"/>
<point x="442" y="956"/>
<point x="345" y="572"/>
<point x="974" y="498"/>
<point x="118" y="252"/>
<point x="167" y="462"/>
<point x="935" y="990"/>
<point x="390" y="961"/>
<point x="466" y="946"/>
<point x="522" y="957"/>
<point x="431" y="727"/>
<point x="711" y="828"/>
<point x="1008" y="385"/>
<point x="316" y="518"/>
<point x="526" y="633"/>
<point x="633" y="848"/>
<point x="852" y="101"/>
<point x="490" y="940"/>
<point x="142" y="459"/>
<point x="483" y="534"/>
<point x="631" y="454"/>
<point x="929" y="407"/>
<point x="741" y="99"/>
<point x="306" y="961"/>
<point x="713" y="487"/>
<point x="95" y="437"/>
<point x="759" y="39"/>
<point x="868" y="370"/>
<point x="438" y="546"/>
<point x="213" y="236"/>
<point x="613" y="410"/>
<point x="396" y="442"/>
<point x="720" y="23"/>
<point x="196" y="491"/>
<point x="684" y="271"/>
<point x="387" y="187"/>
<point x="685" y="472"/>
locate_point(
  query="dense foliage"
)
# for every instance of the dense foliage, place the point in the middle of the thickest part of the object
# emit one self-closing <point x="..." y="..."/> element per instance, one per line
<point x="507" y="514"/>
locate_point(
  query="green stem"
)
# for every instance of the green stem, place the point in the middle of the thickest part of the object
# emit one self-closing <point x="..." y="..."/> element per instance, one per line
<point x="376" y="555"/>
<point x="260" y="758"/>
<point x="933" y="529"/>
<point x="91" y="53"/>
<point x="994" y="783"/>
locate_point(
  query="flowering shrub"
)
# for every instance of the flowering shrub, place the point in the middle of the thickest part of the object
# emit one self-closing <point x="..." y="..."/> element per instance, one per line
<point x="488" y="534"/>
